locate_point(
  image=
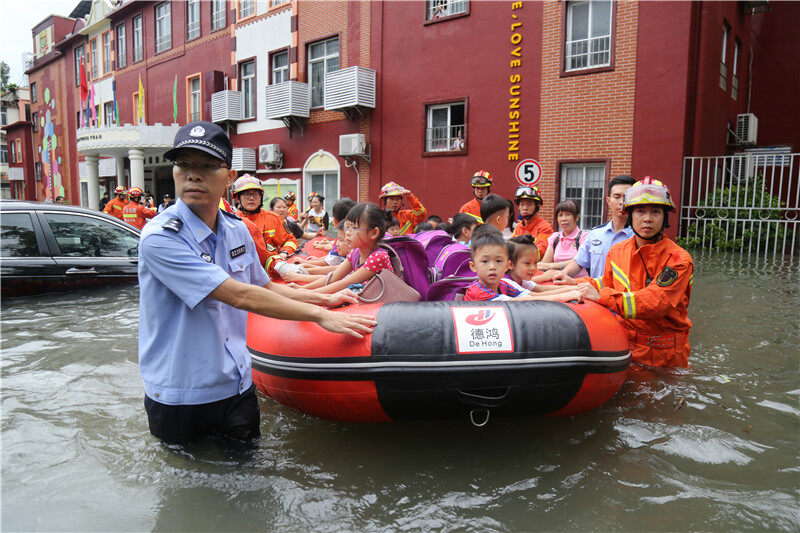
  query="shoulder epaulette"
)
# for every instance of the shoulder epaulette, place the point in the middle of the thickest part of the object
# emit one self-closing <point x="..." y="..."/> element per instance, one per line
<point x="174" y="224"/>
<point x="232" y="215"/>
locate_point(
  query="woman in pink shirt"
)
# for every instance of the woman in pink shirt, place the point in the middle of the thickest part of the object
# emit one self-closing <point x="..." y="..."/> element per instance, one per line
<point x="563" y="245"/>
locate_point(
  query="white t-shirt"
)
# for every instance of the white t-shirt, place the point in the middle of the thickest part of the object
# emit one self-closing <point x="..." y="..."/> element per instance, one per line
<point x="525" y="286"/>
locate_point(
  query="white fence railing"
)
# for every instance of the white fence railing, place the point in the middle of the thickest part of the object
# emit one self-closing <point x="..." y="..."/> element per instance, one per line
<point x="747" y="202"/>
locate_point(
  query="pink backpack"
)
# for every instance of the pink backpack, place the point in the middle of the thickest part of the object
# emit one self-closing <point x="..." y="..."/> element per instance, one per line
<point x="453" y="260"/>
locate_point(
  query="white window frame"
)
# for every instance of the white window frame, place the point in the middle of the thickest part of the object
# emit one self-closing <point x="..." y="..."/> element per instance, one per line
<point x="248" y="89"/>
<point x="195" y="99"/>
<point x="106" y="37"/>
<point x="138" y="41"/>
<point x="723" y="66"/>
<point x="219" y="14"/>
<point x="588" y="220"/>
<point x="324" y="60"/>
<point x="282" y="71"/>
<point x="247" y="8"/>
<point x="108" y="114"/>
<point x="163" y="22"/>
<point x="735" y="66"/>
<point x="35" y="121"/>
<point x="4" y="154"/>
<point x="437" y="9"/>
<point x="192" y="19"/>
<point x="594" y="49"/>
<point x="122" y="59"/>
<point x="278" y="2"/>
<point x="3" y="116"/>
<point x="93" y="58"/>
<point x="80" y="53"/>
<point x="434" y="141"/>
<point x="34" y="95"/>
<point x="37" y="171"/>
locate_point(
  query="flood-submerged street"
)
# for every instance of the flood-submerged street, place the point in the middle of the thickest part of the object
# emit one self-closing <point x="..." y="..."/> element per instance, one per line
<point x="714" y="448"/>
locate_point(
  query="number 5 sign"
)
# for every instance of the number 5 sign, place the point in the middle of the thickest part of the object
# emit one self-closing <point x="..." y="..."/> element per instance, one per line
<point x="528" y="172"/>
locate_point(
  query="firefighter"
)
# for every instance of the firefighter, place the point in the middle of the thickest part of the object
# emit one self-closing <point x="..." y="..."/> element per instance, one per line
<point x="280" y="243"/>
<point x="115" y="205"/>
<point x="392" y="196"/>
<point x="648" y="280"/>
<point x="134" y="213"/>
<point x="481" y="186"/>
<point x="529" y="201"/>
<point x="294" y="213"/>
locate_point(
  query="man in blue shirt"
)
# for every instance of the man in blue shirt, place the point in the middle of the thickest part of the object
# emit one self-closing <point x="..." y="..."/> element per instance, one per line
<point x="199" y="275"/>
<point x="592" y="254"/>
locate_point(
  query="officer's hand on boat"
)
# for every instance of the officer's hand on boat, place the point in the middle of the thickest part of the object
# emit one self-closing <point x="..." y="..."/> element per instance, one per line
<point x="352" y="325"/>
<point x="345" y="296"/>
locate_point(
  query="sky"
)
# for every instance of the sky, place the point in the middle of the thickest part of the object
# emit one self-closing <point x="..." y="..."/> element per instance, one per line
<point x="18" y="19"/>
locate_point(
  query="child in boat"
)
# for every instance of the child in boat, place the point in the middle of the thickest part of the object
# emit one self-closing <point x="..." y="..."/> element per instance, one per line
<point x="524" y="256"/>
<point x="490" y="262"/>
<point x="497" y="211"/>
<point x="394" y="227"/>
<point x="461" y="227"/>
<point x="365" y="226"/>
<point x="338" y="212"/>
<point x="318" y="268"/>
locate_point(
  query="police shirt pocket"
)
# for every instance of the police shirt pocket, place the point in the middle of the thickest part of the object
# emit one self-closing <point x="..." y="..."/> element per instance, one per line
<point x="238" y="265"/>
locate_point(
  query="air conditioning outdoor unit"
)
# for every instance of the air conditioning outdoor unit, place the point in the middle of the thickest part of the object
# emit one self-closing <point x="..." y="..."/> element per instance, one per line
<point x="270" y="154"/>
<point x="243" y="159"/>
<point x="746" y="128"/>
<point x="352" y="145"/>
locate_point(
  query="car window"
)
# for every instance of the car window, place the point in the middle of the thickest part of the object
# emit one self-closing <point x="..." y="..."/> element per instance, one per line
<point x="18" y="236"/>
<point x="85" y="236"/>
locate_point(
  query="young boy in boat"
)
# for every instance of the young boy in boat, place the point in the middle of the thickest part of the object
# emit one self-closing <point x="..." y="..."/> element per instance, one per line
<point x="524" y="257"/>
<point x="490" y="262"/>
<point x="497" y="211"/>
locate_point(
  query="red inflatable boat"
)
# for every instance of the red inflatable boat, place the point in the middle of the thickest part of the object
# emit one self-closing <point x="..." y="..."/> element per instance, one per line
<point x="445" y="359"/>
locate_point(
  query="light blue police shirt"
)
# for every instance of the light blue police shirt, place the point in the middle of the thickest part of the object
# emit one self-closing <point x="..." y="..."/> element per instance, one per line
<point x="592" y="253"/>
<point x="192" y="348"/>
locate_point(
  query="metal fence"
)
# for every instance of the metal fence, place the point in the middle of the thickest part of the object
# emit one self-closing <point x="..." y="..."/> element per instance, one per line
<point x="747" y="202"/>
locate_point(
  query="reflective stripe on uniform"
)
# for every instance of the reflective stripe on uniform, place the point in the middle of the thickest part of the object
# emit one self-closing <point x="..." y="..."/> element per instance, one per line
<point x="620" y="276"/>
<point x="115" y="206"/>
<point x="628" y="305"/>
<point x="128" y="215"/>
<point x="405" y="227"/>
<point x="599" y="282"/>
<point x="291" y="244"/>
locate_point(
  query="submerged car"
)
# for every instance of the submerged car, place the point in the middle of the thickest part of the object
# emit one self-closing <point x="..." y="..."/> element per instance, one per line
<point x="53" y="247"/>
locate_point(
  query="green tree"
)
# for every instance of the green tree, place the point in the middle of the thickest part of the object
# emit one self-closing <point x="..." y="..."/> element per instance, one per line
<point x="4" y="72"/>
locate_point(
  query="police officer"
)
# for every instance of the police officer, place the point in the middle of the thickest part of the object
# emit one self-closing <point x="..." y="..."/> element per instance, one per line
<point x="199" y="275"/>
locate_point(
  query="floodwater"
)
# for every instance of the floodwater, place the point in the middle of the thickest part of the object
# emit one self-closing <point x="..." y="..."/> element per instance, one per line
<point x="715" y="448"/>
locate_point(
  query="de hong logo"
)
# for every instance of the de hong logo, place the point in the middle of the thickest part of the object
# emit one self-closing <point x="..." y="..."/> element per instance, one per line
<point x="482" y="330"/>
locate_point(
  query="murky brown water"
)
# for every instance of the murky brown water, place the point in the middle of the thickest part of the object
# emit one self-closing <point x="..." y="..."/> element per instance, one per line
<point x="77" y="455"/>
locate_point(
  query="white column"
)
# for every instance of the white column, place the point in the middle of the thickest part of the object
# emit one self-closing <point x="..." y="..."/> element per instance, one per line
<point x="137" y="167"/>
<point x="93" y="181"/>
<point x="120" y="161"/>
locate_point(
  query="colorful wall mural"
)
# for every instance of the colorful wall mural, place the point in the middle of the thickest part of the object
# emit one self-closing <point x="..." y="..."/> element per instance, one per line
<point x="48" y="151"/>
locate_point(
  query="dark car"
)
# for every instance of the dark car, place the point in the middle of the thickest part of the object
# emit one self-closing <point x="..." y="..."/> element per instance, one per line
<point x="52" y="247"/>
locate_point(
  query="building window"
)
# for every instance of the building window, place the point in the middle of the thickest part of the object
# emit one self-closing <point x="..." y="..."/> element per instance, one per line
<point x="108" y="113"/>
<point x="219" y="18"/>
<point x="13" y="152"/>
<point x="278" y="2"/>
<point x="138" y="51"/>
<point x="588" y="35"/>
<point x="121" y="51"/>
<point x="37" y="171"/>
<point x="437" y="9"/>
<point x="35" y="121"/>
<point x="106" y="52"/>
<point x="3" y="116"/>
<point x="723" y="67"/>
<point x="323" y="57"/>
<point x="446" y="129"/>
<point x="247" y="73"/>
<point x="79" y="54"/>
<point x="4" y="154"/>
<point x="163" y="27"/>
<point x="18" y="142"/>
<point x="136" y="117"/>
<point x="280" y="67"/>
<point x="93" y="57"/>
<point x="33" y="92"/>
<point x="584" y="183"/>
<point x="195" y="100"/>
<point x="737" y="46"/>
<point x="192" y="19"/>
<point x="247" y="8"/>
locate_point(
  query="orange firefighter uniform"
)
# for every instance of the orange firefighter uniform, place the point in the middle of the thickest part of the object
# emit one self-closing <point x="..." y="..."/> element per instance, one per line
<point x="539" y="229"/>
<point x="261" y="248"/>
<point x="273" y="234"/>
<point x="136" y="215"/>
<point x="294" y="212"/>
<point x="473" y="207"/>
<point x="649" y="289"/>
<point x="114" y="207"/>
<point x="409" y="218"/>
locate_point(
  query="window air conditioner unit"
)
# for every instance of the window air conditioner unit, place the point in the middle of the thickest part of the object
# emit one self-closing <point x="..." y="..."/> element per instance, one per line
<point x="352" y="145"/>
<point x="226" y="106"/>
<point x="243" y="160"/>
<point x="270" y="154"/>
<point x="746" y="128"/>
